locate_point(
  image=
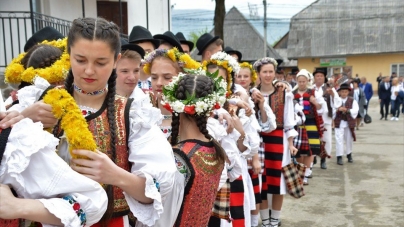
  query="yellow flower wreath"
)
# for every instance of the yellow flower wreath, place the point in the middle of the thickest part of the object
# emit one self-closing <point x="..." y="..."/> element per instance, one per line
<point x="73" y="123"/>
<point x="16" y="73"/>
<point x="253" y="72"/>
<point x="184" y="60"/>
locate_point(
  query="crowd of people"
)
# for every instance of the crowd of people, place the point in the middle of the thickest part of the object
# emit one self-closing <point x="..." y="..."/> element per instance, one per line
<point x="391" y="93"/>
<point x="146" y="136"/>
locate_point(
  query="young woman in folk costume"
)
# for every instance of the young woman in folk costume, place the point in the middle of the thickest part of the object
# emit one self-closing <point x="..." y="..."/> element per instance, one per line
<point x="312" y="109"/>
<point x="247" y="78"/>
<point x="48" y="190"/>
<point x="163" y="65"/>
<point x="277" y="144"/>
<point x="241" y="190"/>
<point x="199" y="157"/>
<point x="132" y="160"/>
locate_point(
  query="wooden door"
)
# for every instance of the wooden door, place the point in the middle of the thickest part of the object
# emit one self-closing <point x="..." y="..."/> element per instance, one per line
<point x="110" y="11"/>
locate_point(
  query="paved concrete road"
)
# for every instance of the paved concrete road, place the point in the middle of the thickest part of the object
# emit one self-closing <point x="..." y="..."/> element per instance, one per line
<point x="368" y="192"/>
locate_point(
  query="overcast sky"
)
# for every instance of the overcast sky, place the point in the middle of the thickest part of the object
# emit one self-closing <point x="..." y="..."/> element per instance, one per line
<point x="275" y="9"/>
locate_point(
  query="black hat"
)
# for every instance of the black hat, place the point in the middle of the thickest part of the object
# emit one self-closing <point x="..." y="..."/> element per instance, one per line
<point x="182" y="40"/>
<point x="130" y="46"/>
<point x="140" y="34"/>
<point x="279" y="61"/>
<point x="46" y="33"/>
<point x="204" y="42"/>
<point x="344" y="86"/>
<point x="320" y="70"/>
<point x="279" y="69"/>
<point x="295" y="70"/>
<point x="170" y="38"/>
<point x="323" y="71"/>
<point x="230" y="50"/>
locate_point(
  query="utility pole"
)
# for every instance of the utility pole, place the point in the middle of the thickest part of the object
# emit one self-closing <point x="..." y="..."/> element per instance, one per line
<point x="265" y="28"/>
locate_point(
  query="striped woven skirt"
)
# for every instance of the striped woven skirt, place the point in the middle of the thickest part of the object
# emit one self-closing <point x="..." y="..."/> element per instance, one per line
<point x="237" y="202"/>
<point x="256" y="186"/>
<point x="314" y="136"/>
<point x="271" y="177"/>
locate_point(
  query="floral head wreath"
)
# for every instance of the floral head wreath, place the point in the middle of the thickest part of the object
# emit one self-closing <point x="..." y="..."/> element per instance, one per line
<point x="183" y="60"/>
<point x="227" y="62"/>
<point x="264" y="61"/>
<point x="253" y="72"/>
<point x="16" y="73"/>
<point x="194" y="106"/>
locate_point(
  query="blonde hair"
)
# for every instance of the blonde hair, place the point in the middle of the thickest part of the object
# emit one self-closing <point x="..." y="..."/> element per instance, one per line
<point x="131" y="54"/>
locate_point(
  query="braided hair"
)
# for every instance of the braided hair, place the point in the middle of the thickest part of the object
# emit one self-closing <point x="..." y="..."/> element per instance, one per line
<point x="40" y="56"/>
<point x="200" y="86"/>
<point x="108" y="32"/>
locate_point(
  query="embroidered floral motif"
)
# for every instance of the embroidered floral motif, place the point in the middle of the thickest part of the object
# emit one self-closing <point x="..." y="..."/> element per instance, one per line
<point x="157" y="184"/>
<point x="200" y="192"/>
<point x="76" y="207"/>
<point x="145" y="86"/>
<point x="100" y="129"/>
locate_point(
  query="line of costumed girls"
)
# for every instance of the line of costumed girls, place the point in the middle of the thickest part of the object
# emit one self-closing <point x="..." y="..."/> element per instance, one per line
<point x="190" y="144"/>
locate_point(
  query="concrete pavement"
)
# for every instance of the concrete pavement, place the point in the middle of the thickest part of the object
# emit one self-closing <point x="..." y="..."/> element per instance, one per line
<point x="368" y="192"/>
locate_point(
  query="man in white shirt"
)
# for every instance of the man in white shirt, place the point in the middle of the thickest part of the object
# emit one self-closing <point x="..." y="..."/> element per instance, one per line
<point x="331" y="98"/>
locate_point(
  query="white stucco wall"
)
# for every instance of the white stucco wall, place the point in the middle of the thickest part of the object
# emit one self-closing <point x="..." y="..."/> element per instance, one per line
<point x="69" y="10"/>
<point x="14" y="5"/>
<point x="158" y="15"/>
<point x="63" y="9"/>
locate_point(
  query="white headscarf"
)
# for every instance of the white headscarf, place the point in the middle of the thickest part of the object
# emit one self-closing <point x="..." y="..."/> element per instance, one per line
<point x="308" y="75"/>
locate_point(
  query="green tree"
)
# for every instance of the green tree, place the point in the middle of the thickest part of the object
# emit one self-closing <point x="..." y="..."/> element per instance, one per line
<point x="194" y="35"/>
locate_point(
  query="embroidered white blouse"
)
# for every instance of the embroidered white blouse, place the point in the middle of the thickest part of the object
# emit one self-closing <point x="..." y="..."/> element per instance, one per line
<point x="229" y="145"/>
<point x="33" y="169"/>
<point x="150" y="154"/>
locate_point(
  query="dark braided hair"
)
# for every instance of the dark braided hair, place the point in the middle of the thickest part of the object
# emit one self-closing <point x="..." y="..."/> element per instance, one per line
<point x="40" y="56"/>
<point x="95" y="29"/>
<point x="108" y="32"/>
<point x="200" y="86"/>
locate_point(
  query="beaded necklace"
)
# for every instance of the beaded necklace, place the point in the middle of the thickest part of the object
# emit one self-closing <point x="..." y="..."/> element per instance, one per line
<point x="89" y="93"/>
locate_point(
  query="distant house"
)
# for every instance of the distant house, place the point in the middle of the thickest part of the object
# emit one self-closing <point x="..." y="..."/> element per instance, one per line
<point x="356" y="36"/>
<point x="242" y="36"/>
<point x="282" y="48"/>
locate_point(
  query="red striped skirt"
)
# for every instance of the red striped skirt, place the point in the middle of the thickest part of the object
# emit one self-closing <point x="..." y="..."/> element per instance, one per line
<point x="273" y="148"/>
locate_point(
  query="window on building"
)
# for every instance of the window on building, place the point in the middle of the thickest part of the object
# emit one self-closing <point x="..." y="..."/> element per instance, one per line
<point x="398" y="68"/>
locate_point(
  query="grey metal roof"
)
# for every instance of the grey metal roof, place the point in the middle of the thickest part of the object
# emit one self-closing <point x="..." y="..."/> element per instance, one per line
<point x="347" y="27"/>
<point x="242" y="36"/>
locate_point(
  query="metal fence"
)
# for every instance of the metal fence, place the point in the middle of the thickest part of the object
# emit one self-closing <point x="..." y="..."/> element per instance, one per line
<point x="17" y="27"/>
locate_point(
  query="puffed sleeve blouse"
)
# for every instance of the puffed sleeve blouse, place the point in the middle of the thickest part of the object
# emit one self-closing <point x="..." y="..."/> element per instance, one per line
<point x="150" y="154"/>
<point x="31" y="166"/>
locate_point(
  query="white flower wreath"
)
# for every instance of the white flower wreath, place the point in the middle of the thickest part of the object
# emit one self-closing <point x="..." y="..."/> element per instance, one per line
<point x="192" y="105"/>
